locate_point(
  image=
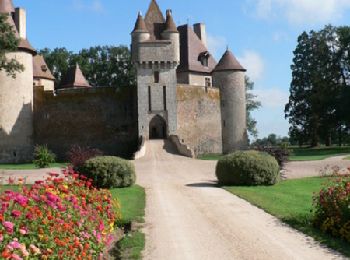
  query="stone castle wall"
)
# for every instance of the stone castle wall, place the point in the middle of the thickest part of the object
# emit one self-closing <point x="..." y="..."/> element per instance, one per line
<point x="199" y="118"/>
<point x="16" y="112"/>
<point x="103" y="118"/>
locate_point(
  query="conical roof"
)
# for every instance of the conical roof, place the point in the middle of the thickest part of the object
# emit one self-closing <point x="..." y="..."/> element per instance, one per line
<point x="74" y="79"/>
<point x="170" y="25"/>
<point x="140" y="25"/>
<point x="229" y="62"/>
<point x="40" y="69"/>
<point x="154" y="20"/>
<point x="6" y="6"/>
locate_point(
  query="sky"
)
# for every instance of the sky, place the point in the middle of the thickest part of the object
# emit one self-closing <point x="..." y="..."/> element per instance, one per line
<point x="261" y="33"/>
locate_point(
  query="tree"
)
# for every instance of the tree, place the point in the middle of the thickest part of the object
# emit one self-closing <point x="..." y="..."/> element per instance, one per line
<point x="252" y="104"/>
<point x="8" y="43"/>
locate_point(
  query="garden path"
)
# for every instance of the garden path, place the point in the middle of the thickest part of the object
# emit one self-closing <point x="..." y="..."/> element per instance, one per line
<point x="30" y="175"/>
<point x="188" y="217"/>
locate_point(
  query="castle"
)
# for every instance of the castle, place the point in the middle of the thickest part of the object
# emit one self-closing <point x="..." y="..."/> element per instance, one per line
<point x="182" y="94"/>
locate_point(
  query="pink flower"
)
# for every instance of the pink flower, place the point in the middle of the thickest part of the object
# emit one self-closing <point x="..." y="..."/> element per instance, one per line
<point x="23" y="231"/>
<point x="8" y="226"/>
<point x="1" y="238"/>
<point x="21" y="200"/>
<point x="14" y="244"/>
<point x="16" y="257"/>
<point x="34" y="249"/>
<point x="16" y="213"/>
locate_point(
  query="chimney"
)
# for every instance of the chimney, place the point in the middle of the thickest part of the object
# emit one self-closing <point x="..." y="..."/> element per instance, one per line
<point x="21" y="22"/>
<point x="199" y="29"/>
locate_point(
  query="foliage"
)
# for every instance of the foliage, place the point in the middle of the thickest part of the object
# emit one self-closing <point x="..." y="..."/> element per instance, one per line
<point x="319" y="153"/>
<point x="272" y="140"/>
<point x="247" y="168"/>
<point x="43" y="156"/>
<point x="62" y="218"/>
<point x="281" y="154"/>
<point x="9" y="43"/>
<point x="109" y="172"/>
<point x="252" y="105"/>
<point x="291" y="201"/>
<point x="28" y="166"/>
<point x="78" y="155"/>
<point x="318" y="107"/>
<point x="332" y="211"/>
<point x="103" y="66"/>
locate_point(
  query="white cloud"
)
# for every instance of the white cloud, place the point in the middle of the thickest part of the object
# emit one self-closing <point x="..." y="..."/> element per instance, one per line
<point x="272" y="97"/>
<point x="254" y="64"/>
<point x="216" y="45"/>
<point x="95" y="6"/>
<point x="301" y="11"/>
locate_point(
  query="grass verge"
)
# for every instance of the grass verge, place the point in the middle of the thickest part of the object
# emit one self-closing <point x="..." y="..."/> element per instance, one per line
<point x="29" y="166"/>
<point x="210" y="157"/>
<point x="316" y="154"/>
<point x="291" y="201"/>
<point x="133" y="203"/>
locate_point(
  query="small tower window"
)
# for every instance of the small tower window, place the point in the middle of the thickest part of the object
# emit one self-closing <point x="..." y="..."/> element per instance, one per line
<point x="156" y="77"/>
<point x="208" y="82"/>
<point x="164" y="98"/>
<point x="149" y="99"/>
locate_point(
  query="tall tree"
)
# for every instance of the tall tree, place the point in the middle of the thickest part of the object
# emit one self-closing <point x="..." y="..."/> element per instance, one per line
<point x="252" y="104"/>
<point x="8" y="43"/>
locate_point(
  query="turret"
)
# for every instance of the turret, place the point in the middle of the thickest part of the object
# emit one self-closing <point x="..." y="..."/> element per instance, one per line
<point x="139" y="34"/>
<point x="16" y="106"/>
<point x="42" y="74"/>
<point x="229" y="76"/>
<point x="171" y="33"/>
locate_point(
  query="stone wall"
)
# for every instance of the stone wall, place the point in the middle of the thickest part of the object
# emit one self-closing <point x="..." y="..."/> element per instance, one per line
<point x="103" y="118"/>
<point x="199" y="119"/>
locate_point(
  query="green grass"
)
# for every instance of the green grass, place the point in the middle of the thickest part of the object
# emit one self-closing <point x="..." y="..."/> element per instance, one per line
<point x="9" y="187"/>
<point x="210" y="157"/>
<point x="347" y="158"/>
<point x="133" y="202"/>
<point x="29" y="166"/>
<point x="291" y="201"/>
<point x="319" y="153"/>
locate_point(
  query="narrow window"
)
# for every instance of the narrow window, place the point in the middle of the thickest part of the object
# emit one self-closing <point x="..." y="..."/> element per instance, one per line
<point x="149" y="99"/>
<point x="164" y="97"/>
<point x="156" y="77"/>
<point x="224" y="123"/>
<point x="207" y="82"/>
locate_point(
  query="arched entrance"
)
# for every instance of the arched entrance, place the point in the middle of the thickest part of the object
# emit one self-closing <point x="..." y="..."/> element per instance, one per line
<point x="157" y="128"/>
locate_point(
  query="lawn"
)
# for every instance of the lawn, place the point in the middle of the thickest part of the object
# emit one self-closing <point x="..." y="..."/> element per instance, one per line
<point x="319" y="153"/>
<point x="291" y="201"/>
<point x="347" y="158"/>
<point x="210" y="157"/>
<point x="29" y="166"/>
<point x="132" y="201"/>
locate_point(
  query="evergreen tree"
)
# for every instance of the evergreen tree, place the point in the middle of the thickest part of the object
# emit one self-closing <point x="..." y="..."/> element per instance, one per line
<point x="252" y="104"/>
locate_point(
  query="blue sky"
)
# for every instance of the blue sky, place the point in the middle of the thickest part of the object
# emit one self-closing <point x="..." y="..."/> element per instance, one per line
<point x="261" y="33"/>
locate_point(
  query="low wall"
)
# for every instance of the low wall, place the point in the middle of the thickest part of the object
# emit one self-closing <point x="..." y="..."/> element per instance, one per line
<point x="199" y="118"/>
<point x="102" y="118"/>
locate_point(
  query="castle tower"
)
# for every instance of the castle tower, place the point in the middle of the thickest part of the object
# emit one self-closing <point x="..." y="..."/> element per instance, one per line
<point x="42" y="74"/>
<point x="16" y="94"/>
<point x="156" y="55"/>
<point x="229" y="76"/>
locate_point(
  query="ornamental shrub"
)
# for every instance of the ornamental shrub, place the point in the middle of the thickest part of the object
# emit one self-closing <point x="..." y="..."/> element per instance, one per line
<point x="281" y="154"/>
<point x="109" y="172"/>
<point x="61" y="218"/>
<point x="78" y="155"/>
<point x="247" y="168"/>
<point x="332" y="210"/>
<point x="43" y="156"/>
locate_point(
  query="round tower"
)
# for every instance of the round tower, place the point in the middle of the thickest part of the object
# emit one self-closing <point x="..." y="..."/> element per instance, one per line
<point x="16" y="94"/>
<point x="229" y="76"/>
<point x="139" y="34"/>
<point x="171" y="33"/>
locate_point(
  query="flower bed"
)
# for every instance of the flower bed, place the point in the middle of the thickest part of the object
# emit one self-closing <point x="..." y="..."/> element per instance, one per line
<point x="61" y="218"/>
<point x="332" y="208"/>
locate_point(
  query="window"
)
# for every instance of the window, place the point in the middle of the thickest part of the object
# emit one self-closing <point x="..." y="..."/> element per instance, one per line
<point x="203" y="58"/>
<point x="164" y="97"/>
<point x="156" y="77"/>
<point x="208" y="82"/>
<point x="149" y="99"/>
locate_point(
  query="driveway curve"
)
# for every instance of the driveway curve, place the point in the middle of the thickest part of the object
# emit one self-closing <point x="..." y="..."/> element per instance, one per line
<point x="187" y="217"/>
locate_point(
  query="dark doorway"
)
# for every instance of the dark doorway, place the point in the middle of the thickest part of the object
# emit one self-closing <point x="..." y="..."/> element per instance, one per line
<point x="157" y="128"/>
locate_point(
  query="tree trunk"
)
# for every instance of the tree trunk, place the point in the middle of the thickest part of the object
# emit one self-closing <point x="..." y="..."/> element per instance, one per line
<point x="340" y="137"/>
<point x="329" y="140"/>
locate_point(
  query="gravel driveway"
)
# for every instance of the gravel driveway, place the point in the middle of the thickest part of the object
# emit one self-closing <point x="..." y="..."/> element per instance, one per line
<point x="187" y="217"/>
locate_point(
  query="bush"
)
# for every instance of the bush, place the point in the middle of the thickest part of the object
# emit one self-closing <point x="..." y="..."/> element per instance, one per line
<point x="281" y="154"/>
<point x="331" y="208"/>
<point x="78" y="155"/>
<point x="43" y="156"/>
<point x="62" y="218"/>
<point x="109" y="172"/>
<point x="247" y="168"/>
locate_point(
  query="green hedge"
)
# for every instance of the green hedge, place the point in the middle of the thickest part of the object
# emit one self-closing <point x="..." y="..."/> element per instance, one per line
<point x="248" y="168"/>
<point x="109" y="172"/>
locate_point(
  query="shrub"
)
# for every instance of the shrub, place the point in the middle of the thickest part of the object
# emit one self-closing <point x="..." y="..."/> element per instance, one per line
<point x="247" y="168"/>
<point x="78" y="155"/>
<point x="281" y="154"/>
<point x="109" y="172"/>
<point x="57" y="219"/>
<point x="331" y="208"/>
<point x="43" y="156"/>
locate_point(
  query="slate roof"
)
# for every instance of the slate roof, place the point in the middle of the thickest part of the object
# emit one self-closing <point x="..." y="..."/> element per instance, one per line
<point x="229" y="62"/>
<point x="140" y="25"/>
<point x="191" y="48"/>
<point x="40" y="69"/>
<point x="155" y="21"/>
<point x="170" y="25"/>
<point x="74" y="79"/>
<point x="6" y="6"/>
